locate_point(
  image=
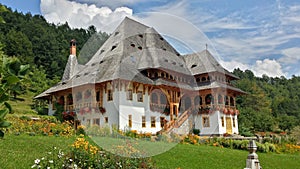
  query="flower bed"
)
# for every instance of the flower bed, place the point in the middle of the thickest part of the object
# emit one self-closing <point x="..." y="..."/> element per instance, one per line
<point x="82" y="154"/>
<point x="43" y="125"/>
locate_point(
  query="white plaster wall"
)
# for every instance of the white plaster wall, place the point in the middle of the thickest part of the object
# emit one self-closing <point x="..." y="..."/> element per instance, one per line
<point x="137" y="113"/>
<point x="137" y="110"/>
<point x="235" y="130"/>
<point x="111" y="112"/>
<point x="50" y="110"/>
<point x="214" y="123"/>
<point x="112" y="108"/>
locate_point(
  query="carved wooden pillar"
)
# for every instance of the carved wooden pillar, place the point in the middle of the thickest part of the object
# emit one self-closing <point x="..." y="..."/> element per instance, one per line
<point x="65" y="103"/>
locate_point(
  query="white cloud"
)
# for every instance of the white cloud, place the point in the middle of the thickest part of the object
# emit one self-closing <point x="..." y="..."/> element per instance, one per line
<point x="231" y="65"/>
<point x="80" y="15"/>
<point x="272" y="68"/>
<point x="110" y="3"/>
<point x="291" y="55"/>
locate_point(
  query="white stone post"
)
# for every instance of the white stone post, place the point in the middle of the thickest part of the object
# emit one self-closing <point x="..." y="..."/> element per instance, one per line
<point x="252" y="161"/>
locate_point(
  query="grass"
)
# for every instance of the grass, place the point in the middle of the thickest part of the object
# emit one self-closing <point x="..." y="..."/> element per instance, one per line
<point x="22" y="104"/>
<point x="141" y="147"/>
<point x="198" y="157"/>
<point x="21" y="151"/>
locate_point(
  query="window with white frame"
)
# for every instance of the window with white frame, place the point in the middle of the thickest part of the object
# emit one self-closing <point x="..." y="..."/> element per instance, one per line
<point x="140" y="96"/>
<point x="205" y="121"/>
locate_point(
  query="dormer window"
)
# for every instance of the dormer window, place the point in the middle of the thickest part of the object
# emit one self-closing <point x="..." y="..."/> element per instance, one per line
<point x="193" y="66"/>
<point x="113" y="47"/>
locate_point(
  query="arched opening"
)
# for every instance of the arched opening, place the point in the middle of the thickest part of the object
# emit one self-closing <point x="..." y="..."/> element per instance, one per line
<point x="220" y="99"/>
<point x="159" y="102"/>
<point x="61" y="100"/>
<point x="155" y="75"/>
<point x="203" y="79"/>
<point x="198" y="100"/>
<point x="78" y="96"/>
<point x="209" y="99"/>
<point x="226" y="100"/>
<point x="163" y="99"/>
<point x="70" y="99"/>
<point x="231" y="101"/>
<point x="154" y="98"/>
<point x="185" y="103"/>
<point x="87" y="94"/>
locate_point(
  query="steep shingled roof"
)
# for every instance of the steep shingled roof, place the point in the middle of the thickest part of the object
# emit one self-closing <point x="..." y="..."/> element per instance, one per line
<point x="204" y="62"/>
<point x="70" y="69"/>
<point x="132" y="48"/>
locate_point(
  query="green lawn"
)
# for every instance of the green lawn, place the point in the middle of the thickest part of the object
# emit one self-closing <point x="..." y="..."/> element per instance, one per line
<point x="140" y="147"/>
<point x="20" y="152"/>
<point x="197" y="157"/>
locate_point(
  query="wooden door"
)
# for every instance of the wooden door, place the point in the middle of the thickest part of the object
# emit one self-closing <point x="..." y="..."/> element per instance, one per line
<point x="228" y="125"/>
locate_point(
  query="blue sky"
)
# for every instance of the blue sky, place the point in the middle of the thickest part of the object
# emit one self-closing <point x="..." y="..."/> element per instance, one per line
<point x="260" y="35"/>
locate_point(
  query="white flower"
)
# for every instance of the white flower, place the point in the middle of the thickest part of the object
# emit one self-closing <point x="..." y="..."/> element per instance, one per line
<point x="48" y="167"/>
<point x="51" y="161"/>
<point x="43" y="158"/>
<point x="54" y="148"/>
<point x="70" y="159"/>
<point x="37" y="161"/>
<point x="33" y="166"/>
<point x="75" y="166"/>
<point x="49" y="152"/>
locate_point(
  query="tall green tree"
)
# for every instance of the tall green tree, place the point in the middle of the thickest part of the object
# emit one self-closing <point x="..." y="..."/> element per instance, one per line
<point x="6" y="80"/>
<point x="255" y="106"/>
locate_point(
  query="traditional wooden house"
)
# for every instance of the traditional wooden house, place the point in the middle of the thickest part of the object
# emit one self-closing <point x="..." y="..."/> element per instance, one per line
<point x="138" y="81"/>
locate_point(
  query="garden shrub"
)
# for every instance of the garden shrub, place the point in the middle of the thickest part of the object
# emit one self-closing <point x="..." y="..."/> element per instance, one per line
<point x="241" y="144"/>
<point x="196" y="131"/>
<point x="45" y="126"/>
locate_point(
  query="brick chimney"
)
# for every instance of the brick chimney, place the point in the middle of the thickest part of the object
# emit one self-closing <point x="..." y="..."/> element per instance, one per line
<point x="73" y="47"/>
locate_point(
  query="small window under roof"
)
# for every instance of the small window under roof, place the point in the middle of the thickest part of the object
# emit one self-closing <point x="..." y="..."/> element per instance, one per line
<point x="140" y="35"/>
<point x="164" y="49"/>
<point x="116" y="33"/>
<point x="77" y="76"/>
<point x="101" y="61"/>
<point x="161" y="38"/>
<point x="193" y="66"/>
<point x="113" y="47"/>
<point x="102" y="51"/>
<point x="140" y="48"/>
<point x="174" y="63"/>
<point x="132" y="45"/>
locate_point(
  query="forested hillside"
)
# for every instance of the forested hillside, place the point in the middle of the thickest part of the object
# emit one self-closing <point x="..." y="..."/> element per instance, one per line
<point x="26" y="41"/>
<point x="43" y="45"/>
<point x="271" y="104"/>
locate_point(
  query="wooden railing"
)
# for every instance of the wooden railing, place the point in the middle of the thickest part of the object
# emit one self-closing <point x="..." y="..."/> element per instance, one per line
<point x="182" y="118"/>
<point x="178" y="122"/>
